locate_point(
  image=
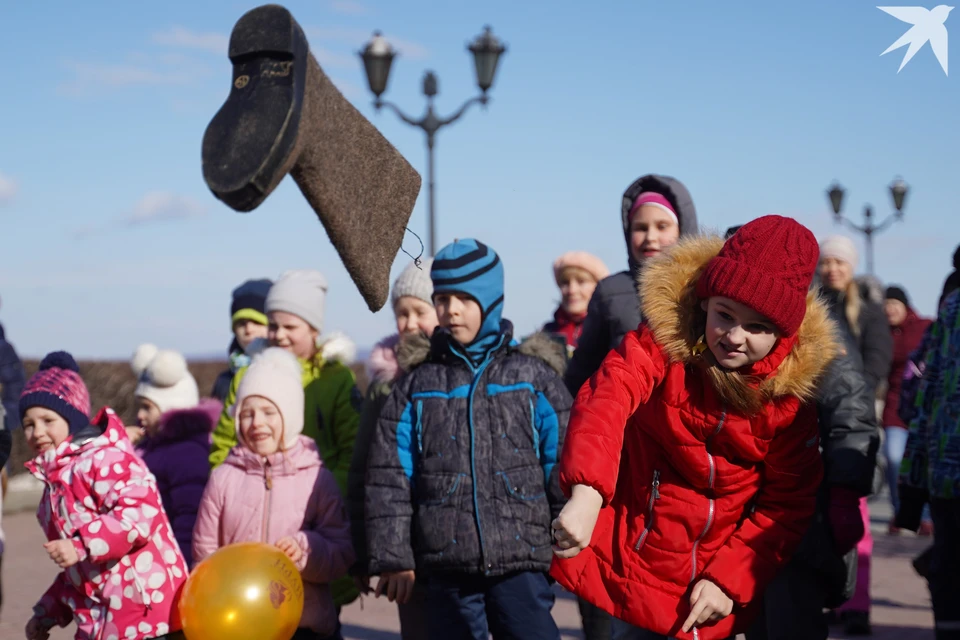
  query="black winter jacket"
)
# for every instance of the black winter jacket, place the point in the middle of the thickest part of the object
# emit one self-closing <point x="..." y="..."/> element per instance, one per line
<point x="462" y="474"/>
<point x="872" y="338"/>
<point x="614" y="308"/>
<point x="849" y="440"/>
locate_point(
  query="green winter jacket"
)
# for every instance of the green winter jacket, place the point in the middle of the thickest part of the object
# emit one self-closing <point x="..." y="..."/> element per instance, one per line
<point x="332" y="405"/>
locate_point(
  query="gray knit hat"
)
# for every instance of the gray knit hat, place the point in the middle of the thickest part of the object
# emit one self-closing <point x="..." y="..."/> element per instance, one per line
<point x="414" y="281"/>
<point x="301" y="292"/>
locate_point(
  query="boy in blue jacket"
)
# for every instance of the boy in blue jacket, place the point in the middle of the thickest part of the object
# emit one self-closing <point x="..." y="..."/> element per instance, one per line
<point x="462" y="483"/>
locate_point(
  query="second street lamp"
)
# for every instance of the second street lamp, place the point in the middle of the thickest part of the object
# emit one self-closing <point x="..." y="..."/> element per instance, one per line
<point x="898" y="193"/>
<point x="378" y="57"/>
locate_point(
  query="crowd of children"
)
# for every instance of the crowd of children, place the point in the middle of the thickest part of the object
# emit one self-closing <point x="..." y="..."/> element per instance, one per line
<point x="669" y="496"/>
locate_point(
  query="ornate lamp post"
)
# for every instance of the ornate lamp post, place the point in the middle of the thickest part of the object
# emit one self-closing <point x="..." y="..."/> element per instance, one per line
<point x="898" y="193"/>
<point x="378" y="57"/>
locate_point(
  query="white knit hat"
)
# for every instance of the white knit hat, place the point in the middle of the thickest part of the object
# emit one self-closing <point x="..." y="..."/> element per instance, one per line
<point x="164" y="379"/>
<point x="840" y="248"/>
<point x="275" y="374"/>
<point x="414" y="281"/>
<point x="301" y="292"/>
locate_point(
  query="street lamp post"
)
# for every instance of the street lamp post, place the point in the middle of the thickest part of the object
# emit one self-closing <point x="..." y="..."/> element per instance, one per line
<point x="377" y="59"/>
<point x="898" y="193"/>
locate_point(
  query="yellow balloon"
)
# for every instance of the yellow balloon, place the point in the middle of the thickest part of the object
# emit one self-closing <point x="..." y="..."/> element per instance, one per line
<point x="245" y="591"/>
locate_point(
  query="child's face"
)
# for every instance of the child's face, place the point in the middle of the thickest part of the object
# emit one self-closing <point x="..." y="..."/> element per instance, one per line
<point x="576" y="288"/>
<point x="44" y="429"/>
<point x="261" y="425"/>
<point x="414" y="315"/>
<point x="292" y="333"/>
<point x="148" y="416"/>
<point x="460" y="314"/>
<point x="246" y="331"/>
<point x="736" y="334"/>
<point x="651" y="231"/>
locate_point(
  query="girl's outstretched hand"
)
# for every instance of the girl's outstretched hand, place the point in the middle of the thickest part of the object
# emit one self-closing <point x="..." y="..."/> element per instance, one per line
<point x="62" y="552"/>
<point x="290" y="548"/>
<point x="573" y="528"/>
<point x="707" y="602"/>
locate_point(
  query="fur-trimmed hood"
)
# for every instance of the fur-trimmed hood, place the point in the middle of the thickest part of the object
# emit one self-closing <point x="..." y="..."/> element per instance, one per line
<point x="671" y="309"/>
<point x="382" y="365"/>
<point x="334" y="347"/>
<point x="184" y="424"/>
<point x="415" y="350"/>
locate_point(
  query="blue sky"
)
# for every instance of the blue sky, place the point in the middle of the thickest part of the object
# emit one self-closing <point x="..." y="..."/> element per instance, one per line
<point x="109" y="236"/>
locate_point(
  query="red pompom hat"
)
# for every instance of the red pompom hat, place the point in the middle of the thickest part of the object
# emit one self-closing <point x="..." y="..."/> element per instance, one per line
<point x="768" y="265"/>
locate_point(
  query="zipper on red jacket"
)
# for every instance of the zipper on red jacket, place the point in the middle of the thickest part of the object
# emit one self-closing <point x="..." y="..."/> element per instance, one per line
<point x="711" y="508"/>
<point x="654" y="496"/>
<point x="268" y="485"/>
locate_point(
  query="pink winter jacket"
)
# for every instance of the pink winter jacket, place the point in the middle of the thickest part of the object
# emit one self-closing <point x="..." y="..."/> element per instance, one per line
<point x="254" y="499"/>
<point x="100" y="495"/>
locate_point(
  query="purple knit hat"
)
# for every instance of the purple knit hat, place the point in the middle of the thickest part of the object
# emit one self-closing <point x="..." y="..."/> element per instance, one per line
<point x="58" y="386"/>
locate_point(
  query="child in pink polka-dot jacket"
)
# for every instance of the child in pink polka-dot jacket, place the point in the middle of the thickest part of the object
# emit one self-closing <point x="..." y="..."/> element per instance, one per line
<point x="102" y="515"/>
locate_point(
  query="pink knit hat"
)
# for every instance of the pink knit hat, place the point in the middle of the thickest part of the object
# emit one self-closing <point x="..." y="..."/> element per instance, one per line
<point x="57" y="386"/>
<point x="275" y="374"/>
<point x="655" y="199"/>
<point x="581" y="260"/>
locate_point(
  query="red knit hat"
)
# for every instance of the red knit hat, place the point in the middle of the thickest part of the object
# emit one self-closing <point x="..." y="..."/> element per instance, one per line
<point x="768" y="265"/>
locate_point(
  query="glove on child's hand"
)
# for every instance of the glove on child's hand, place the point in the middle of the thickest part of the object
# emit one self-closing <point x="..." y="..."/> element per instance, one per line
<point x="846" y="523"/>
<point x="35" y="630"/>
<point x="573" y="528"/>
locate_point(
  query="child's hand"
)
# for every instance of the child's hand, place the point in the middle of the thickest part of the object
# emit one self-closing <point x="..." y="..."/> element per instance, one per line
<point x="396" y="585"/>
<point x="62" y="552"/>
<point x="135" y="433"/>
<point x="707" y="602"/>
<point x="36" y="631"/>
<point x="573" y="528"/>
<point x="290" y="548"/>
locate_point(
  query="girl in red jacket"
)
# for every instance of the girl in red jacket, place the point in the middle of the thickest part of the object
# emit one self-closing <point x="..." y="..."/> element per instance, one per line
<point x="692" y="460"/>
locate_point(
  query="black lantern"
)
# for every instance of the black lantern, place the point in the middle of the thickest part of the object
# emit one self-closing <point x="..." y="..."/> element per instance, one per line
<point x="898" y="191"/>
<point x="377" y="58"/>
<point x="836" y="193"/>
<point x="486" y="50"/>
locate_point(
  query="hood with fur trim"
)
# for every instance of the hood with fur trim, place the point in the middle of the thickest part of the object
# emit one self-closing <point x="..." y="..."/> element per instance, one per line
<point x="183" y="424"/>
<point x="671" y="308"/>
<point x="414" y="350"/>
<point x="334" y="347"/>
<point x="382" y="366"/>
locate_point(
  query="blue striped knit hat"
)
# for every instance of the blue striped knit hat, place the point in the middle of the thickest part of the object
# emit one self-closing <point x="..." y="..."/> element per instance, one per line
<point x="471" y="267"/>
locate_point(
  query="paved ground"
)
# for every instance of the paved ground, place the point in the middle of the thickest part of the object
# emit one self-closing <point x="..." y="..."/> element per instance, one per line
<point x="901" y="601"/>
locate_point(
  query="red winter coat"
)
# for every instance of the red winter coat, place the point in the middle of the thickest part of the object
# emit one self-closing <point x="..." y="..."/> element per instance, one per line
<point x="100" y="495"/>
<point x="692" y="487"/>
<point x="906" y="338"/>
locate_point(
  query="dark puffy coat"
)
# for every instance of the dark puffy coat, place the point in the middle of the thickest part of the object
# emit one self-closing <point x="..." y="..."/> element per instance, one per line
<point x="849" y="440"/>
<point x="178" y="456"/>
<point x="462" y="472"/>
<point x="12" y="379"/>
<point x="614" y="310"/>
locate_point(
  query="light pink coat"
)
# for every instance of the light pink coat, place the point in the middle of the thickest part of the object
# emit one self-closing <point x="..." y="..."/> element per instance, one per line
<point x="254" y="499"/>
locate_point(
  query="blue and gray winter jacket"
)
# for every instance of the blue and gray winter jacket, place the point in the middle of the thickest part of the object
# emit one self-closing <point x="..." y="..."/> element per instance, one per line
<point x="462" y="473"/>
<point x="931" y="461"/>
